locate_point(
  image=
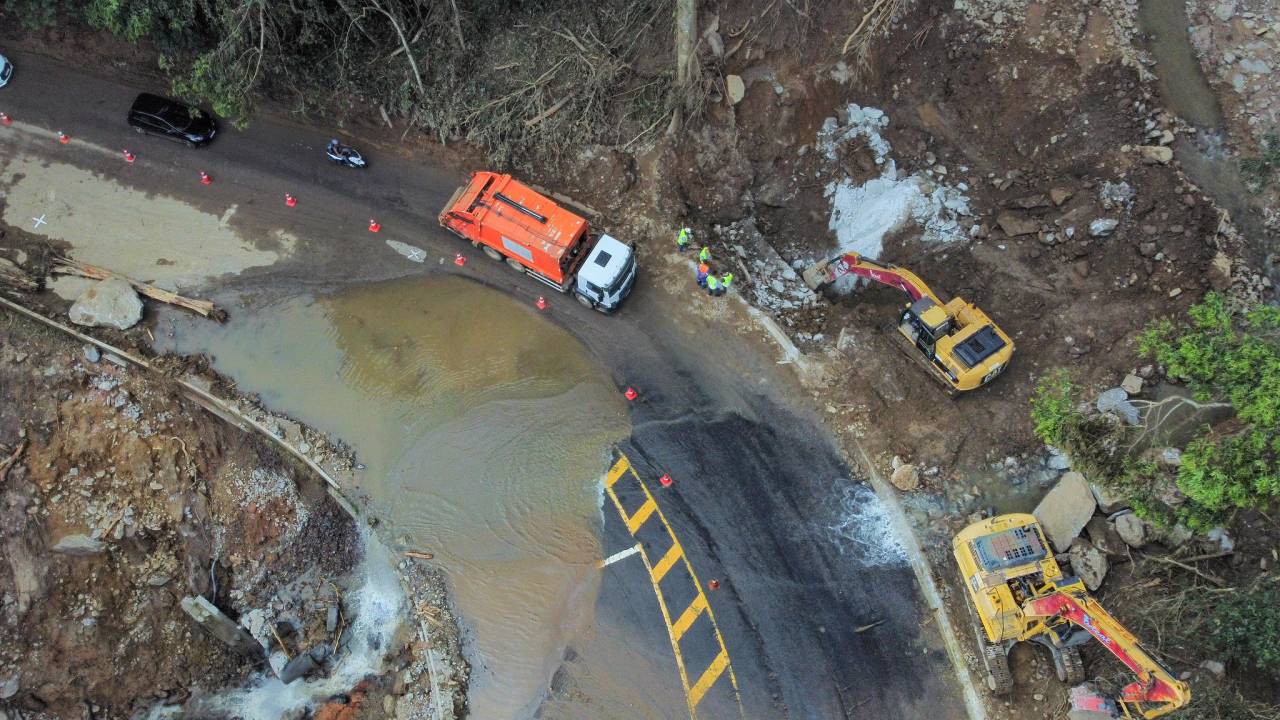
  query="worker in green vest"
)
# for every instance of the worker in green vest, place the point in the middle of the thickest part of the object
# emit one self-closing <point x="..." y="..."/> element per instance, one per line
<point x="704" y="255"/>
<point x="725" y="282"/>
<point x="682" y="239"/>
<point x="713" y="285"/>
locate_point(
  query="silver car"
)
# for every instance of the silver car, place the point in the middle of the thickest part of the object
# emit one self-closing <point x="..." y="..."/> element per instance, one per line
<point x="6" y="70"/>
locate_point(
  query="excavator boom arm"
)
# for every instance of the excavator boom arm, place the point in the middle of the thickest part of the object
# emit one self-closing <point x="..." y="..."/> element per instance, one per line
<point x="854" y="264"/>
<point x="1155" y="684"/>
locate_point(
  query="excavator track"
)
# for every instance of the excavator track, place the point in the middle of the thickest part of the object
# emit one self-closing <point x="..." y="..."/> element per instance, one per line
<point x="995" y="658"/>
<point x="1069" y="666"/>
<point x="999" y="679"/>
<point x="906" y="347"/>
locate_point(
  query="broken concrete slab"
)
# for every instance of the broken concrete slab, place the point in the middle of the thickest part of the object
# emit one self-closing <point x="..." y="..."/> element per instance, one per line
<point x="110" y="303"/>
<point x="1065" y="510"/>
<point x="78" y="545"/>
<point x="304" y="664"/>
<point x="1088" y="562"/>
<point x="1131" y="384"/>
<point x="220" y="626"/>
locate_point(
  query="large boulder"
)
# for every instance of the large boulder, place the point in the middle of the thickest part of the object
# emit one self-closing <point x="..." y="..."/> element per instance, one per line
<point x="1109" y="501"/>
<point x="905" y="477"/>
<point x="1088" y="562"/>
<point x="1133" y="530"/>
<point x="1102" y="533"/>
<point x="110" y="303"/>
<point x="1065" y="511"/>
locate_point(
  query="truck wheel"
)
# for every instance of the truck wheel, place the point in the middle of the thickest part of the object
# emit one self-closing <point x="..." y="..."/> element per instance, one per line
<point x="475" y="244"/>
<point x="515" y="265"/>
<point x="493" y="254"/>
<point x="586" y="303"/>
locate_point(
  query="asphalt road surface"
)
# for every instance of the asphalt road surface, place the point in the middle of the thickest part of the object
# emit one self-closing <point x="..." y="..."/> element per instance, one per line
<point x="769" y="582"/>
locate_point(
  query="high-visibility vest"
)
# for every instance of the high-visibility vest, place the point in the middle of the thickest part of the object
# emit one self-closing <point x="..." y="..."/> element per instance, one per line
<point x="705" y="254"/>
<point x="727" y="280"/>
<point x="683" y="237"/>
<point x="712" y="283"/>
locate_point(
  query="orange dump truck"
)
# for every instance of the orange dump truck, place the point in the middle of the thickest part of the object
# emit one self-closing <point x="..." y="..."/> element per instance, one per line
<point x="510" y="221"/>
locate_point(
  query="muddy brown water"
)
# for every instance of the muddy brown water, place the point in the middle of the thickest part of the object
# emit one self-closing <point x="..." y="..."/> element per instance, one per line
<point x="485" y="431"/>
<point x="1183" y="85"/>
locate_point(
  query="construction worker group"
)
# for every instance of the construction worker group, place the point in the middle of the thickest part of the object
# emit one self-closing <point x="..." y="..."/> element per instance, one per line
<point x="706" y="278"/>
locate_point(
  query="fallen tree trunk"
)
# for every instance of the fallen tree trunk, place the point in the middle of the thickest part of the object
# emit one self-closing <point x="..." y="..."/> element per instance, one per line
<point x="67" y="266"/>
<point x="12" y="275"/>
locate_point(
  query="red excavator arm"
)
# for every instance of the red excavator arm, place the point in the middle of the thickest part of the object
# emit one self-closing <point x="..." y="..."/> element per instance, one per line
<point x="1156" y="691"/>
<point x="828" y="271"/>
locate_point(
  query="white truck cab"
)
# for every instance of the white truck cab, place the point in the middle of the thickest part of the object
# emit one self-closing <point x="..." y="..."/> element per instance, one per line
<point x="607" y="275"/>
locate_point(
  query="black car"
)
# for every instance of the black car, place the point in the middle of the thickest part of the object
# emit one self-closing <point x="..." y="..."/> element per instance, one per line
<point x="155" y="115"/>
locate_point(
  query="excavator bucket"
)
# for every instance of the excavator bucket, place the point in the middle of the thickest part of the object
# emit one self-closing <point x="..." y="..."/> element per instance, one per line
<point x="1087" y="703"/>
<point x="817" y="275"/>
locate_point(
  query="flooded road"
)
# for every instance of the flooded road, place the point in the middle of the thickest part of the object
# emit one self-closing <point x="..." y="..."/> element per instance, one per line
<point x="485" y="431"/>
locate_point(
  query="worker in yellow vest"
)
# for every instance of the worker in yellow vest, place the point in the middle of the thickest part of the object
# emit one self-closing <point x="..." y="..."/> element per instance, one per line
<point x="725" y="282"/>
<point x="704" y="255"/>
<point x="713" y="285"/>
<point x="683" y="238"/>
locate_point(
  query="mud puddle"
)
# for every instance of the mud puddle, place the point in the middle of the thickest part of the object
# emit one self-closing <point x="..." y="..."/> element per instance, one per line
<point x="485" y="431"/>
<point x="153" y="238"/>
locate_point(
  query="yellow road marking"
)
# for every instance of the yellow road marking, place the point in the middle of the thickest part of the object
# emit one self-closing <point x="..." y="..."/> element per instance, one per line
<point x="700" y="604"/>
<point x="709" y="677"/>
<point x="617" y="471"/>
<point x="674" y="553"/>
<point x="690" y="614"/>
<point x="635" y="521"/>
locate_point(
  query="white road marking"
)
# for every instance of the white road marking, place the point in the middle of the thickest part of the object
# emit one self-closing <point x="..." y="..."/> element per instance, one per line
<point x="39" y="221"/>
<point x="620" y="555"/>
<point x="413" y="253"/>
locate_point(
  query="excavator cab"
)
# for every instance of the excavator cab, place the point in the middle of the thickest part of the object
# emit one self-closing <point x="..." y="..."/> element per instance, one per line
<point x="1017" y="592"/>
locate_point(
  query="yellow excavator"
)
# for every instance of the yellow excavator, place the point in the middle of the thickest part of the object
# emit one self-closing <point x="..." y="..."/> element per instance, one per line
<point x="1017" y="592"/>
<point x="955" y="342"/>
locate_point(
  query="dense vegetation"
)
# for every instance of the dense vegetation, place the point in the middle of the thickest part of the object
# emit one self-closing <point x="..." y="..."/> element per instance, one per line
<point x="1224" y="354"/>
<point x="514" y="78"/>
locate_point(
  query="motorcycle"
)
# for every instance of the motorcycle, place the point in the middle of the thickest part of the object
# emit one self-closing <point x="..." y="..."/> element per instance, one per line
<point x="345" y="155"/>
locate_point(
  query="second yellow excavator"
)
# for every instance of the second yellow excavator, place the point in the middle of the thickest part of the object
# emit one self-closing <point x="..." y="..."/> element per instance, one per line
<point x="955" y="341"/>
<point x="1018" y="592"/>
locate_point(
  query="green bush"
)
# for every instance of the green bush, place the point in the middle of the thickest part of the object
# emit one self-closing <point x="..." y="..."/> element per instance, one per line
<point x="1053" y="407"/>
<point x="1235" y="356"/>
<point x="1245" y="628"/>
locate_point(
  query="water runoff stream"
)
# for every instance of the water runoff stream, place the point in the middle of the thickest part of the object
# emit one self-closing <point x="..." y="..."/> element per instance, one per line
<point x="485" y="431"/>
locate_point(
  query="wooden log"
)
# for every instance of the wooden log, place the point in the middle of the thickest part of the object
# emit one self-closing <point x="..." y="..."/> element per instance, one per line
<point x="67" y="266"/>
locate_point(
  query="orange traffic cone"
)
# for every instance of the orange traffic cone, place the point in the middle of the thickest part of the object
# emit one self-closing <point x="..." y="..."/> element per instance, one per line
<point x="290" y="200"/>
<point x="128" y="157"/>
<point x="542" y="303"/>
<point x="5" y="120"/>
<point x="63" y="137"/>
<point x="631" y="393"/>
<point x="374" y="226"/>
<point x="665" y="480"/>
<point x="205" y="179"/>
<point x="459" y="260"/>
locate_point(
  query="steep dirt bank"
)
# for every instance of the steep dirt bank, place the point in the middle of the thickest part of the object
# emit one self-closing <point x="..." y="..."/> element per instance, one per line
<point x="120" y="498"/>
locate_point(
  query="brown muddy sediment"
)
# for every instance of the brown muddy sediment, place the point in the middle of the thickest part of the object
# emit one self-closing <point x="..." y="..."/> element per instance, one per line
<point x="483" y="430"/>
